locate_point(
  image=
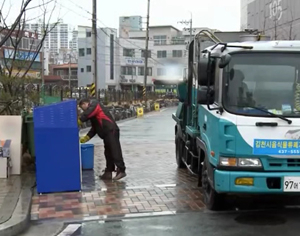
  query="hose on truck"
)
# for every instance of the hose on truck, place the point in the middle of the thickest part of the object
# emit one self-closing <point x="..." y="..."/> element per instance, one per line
<point x="297" y="96"/>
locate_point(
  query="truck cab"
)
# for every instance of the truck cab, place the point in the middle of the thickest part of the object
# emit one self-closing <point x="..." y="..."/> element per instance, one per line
<point x="238" y="120"/>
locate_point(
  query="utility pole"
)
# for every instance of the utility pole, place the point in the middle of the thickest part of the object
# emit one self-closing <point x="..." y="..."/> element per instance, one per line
<point x="94" y="46"/>
<point x="146" y="51"/>
<point x="189" y="22"/>
<point x="43" y="64"/>
<point x="132" y="55"/>
<point x="70" y="71"/>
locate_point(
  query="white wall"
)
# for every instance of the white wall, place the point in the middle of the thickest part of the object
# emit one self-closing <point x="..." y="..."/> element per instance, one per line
<point x="103" y="58"/>
<point x="138" y="61"/>
<point x="244" y="13"/>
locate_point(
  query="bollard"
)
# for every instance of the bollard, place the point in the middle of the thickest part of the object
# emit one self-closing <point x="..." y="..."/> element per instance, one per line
<point x="156" y="106"/>
<point x="140" y="111"/>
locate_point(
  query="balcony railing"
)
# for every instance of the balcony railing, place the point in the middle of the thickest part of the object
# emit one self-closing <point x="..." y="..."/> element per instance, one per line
<point x="66" y="77"/>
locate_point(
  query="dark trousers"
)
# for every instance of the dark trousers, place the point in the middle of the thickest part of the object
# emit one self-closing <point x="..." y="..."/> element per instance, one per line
<point x="113" y="151"/>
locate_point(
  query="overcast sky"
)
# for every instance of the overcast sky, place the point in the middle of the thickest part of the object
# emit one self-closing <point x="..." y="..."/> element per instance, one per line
<point x="218" y="14"/>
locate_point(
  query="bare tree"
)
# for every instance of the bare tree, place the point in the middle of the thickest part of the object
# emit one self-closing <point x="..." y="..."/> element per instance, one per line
<point x="14" y="77"/>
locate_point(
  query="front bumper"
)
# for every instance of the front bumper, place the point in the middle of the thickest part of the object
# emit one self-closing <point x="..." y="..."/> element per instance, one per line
<point x="264" y="182"/>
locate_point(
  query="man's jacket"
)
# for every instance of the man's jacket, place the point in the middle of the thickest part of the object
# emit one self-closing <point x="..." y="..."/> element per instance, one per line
<point x="101" y="119"/>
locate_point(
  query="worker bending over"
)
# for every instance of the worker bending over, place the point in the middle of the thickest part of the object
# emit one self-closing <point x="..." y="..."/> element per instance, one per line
<point x="104" y="125"/>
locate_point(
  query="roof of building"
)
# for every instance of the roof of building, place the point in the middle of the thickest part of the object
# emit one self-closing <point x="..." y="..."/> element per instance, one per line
<point x="52" y="78"/>
<point x="164" y="26"/>
<point x="65" y="66"/>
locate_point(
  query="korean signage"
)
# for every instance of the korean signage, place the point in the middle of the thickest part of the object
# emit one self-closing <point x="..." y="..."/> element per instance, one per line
<point x="134" y="61"/>
<point x="21" y="55"/>
<point x="276" y="147"/>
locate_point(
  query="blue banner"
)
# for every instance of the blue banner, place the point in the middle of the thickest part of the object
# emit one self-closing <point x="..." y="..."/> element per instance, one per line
<point x="21" y="55"/>
<point x="276" y="147"/>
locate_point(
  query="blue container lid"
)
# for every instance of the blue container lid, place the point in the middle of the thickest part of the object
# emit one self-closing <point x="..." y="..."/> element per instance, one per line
<point x="87" y="145"/>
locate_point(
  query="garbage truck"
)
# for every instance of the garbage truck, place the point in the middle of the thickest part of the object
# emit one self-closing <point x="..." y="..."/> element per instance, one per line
<point x="237" y="125"/>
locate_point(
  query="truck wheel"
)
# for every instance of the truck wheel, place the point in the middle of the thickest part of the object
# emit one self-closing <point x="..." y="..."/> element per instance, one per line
<point x="213" y="200"/>
<point x="179" y="152"/>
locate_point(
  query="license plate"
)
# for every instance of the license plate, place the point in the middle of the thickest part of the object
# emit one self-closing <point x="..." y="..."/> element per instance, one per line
<point x="291" y="184"/>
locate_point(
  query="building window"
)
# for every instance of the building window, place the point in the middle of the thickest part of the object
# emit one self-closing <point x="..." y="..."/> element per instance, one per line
<point x="128" y="70"/>
<point x="161" y="71"/>
<point x="177" y="53"/>
<point x="81" y="52"/>
<point x="144" y="53"/>
<point x="25" y="43"/>
<point x="88" y="69"/>
<point x="128" y="52"/>
<point x="161" y="54"/>
<point x="88" y="51"/>
<point x="88" y="34"/>
<point x="142" y="69"/>
<point x="160" y="40"/>
<point x="82" y="70"/>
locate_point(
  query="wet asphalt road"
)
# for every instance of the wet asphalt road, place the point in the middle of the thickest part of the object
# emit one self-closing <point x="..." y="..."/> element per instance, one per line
<point x="201" y="223"/>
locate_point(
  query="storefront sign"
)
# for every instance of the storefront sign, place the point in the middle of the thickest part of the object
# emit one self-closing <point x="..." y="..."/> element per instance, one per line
<point x="134" y="61"/>
<point x="21" y="55"/>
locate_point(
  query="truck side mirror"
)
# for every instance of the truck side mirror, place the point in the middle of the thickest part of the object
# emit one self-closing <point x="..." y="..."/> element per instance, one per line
<point x="202" y="72"/>
<point x="225" y="59"/>
<point x="205" y="96"/>
<point x="206" y="72"/>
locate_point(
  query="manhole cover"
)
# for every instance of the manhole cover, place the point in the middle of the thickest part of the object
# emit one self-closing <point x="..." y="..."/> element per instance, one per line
<point x="260" y="219"/>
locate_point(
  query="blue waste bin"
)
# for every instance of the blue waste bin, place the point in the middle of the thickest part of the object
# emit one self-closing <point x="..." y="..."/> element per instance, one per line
<point x="87" y="156"/>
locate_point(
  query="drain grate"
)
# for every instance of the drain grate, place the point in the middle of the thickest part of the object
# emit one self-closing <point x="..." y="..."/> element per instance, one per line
<point x="260" y="219"/>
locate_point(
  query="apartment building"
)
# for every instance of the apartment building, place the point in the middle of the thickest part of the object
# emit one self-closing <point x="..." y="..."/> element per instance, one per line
<point x="58" y="38"/>
<point x="131" y="59"/>
<point x="106" y="57"/>
<point x="279" y="19"/>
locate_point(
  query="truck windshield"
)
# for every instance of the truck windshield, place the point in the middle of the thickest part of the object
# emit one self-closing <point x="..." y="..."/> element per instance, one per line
<point x="266" y="81"/>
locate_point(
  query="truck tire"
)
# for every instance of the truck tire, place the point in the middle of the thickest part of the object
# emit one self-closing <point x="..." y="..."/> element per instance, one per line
<point x="179" y="152"/>
<point x="213" y="200"/>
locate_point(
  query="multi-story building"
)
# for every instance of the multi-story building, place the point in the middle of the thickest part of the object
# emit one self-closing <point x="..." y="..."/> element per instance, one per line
<point x="58" y="38"/>
<point x="18" y="58"/>
<point x="120" y="60"/>
<point x="169" y="51"/>
<point x="63" y="74"/>
<point x="131" y="58"/>
<point x="129" y="23"/>
<point x="106" y="57"/>
<point x="73" y="44"/>
<point x="279" y="19"/>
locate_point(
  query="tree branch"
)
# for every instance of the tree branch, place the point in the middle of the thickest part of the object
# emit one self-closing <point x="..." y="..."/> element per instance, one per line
<point x="17" y="20"/>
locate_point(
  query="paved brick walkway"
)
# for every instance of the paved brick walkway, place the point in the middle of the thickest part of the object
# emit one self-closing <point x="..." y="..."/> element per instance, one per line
<point x="153" y="184"/>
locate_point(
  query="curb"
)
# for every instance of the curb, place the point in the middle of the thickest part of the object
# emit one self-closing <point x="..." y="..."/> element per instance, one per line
<point x="20" y="219"/>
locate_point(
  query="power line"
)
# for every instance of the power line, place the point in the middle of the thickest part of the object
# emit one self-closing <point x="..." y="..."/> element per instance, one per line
<point x="138" y="47"/>
<point x="105" y="25"/>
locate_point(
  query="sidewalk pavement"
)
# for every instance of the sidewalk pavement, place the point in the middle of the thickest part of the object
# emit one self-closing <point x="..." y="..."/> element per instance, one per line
<point x="15" y="203"/>
<point x="153" y="185"/>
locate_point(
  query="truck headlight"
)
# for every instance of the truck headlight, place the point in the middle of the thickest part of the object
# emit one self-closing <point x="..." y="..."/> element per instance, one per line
<point x="249" y="162"/>
<point x="240" y="162"/>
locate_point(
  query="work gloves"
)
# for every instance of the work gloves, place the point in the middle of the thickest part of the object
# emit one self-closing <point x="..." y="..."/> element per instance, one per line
<point x="79" y="122"/>
<point x="84" y="139"/>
